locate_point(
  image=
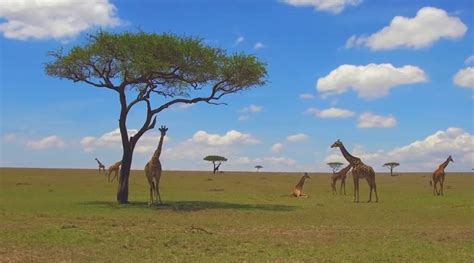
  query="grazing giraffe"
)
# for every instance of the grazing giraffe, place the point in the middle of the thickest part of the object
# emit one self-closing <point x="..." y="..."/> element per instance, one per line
<point x="153" y="169"/>
<point x="341" y="175"/>
<point x="101" y="166"/>
<point x="438" y="176"/>
<point x="298" y="189"/>
<point x="114" y="168"/>
<point x="359" y="171"/>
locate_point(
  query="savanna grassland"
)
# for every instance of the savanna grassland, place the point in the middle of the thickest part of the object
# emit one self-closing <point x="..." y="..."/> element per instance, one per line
<point x="70" y="215"/>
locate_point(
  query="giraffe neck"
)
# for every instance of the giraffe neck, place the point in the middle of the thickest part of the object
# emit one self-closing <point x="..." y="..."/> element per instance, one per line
<point x="443" y="165"/>
<point x="98" y="161"/>
<point x="346" y="169"/>
<point x="351" y="159"/>
<point x="301" y="182"/>
<point x="156" y="155"/>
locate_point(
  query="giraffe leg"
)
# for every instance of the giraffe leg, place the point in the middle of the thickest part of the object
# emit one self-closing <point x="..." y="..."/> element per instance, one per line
<point x="441" y="183"/>
<point x="340" y="187"/>
<point x="375" y="190"/>
<point x="355" y="188"/>
<point x="158" y="192"/>
<point x="344" y="186"/>
<point x="369" y="182"/>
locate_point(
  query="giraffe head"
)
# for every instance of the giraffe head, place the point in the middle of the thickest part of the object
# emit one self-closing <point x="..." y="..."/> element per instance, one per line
<point x="163" y="130"/>
<point x="450" y="159"/>
<point x="337" y="143"/>
<point x="306" y="176"/>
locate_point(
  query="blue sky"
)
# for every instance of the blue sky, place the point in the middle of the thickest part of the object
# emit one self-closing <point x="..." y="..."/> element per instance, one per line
<point x="392" y="89"/>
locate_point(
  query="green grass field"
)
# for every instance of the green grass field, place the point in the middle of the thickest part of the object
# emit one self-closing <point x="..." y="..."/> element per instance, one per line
<point x="70" y="215"/>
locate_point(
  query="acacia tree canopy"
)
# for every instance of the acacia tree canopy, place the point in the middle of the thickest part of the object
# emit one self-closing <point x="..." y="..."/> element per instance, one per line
<point x="335" y="165"/>
<point x="216" y="161"/>
<point x="139" y="66"/>
<point x="391" y="165"/>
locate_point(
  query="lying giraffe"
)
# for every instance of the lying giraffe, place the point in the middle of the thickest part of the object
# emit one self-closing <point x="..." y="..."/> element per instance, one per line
<point x="341" y="175"/>
<point x="359" y="171"/>
<point x="114" y="168"/>
<point x="298" y="189"/>
<point x="101" y="166"/>
<point x="438" y="176"/>
<point x="153" y="169"/>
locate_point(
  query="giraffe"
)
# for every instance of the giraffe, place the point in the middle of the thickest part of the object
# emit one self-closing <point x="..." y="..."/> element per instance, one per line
<point x="438" y="176"/>
<point x="115" y="168"/>
<point x="101" y="166"/>
<point x="153" y="169"/>
<point x="359" y="171"/>
<point x="298" y="189"/>
<point x="341" y="175"/>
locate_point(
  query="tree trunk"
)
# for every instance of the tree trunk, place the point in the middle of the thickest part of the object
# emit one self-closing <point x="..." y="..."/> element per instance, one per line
<point x="391" y="171"/>
<point x="214" y="169"/>
<point x="122" y="191"/>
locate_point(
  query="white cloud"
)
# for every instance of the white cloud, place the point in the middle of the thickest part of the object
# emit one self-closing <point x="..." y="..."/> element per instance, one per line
<point x="465" y="77"/>
<point x="276" y="161"/>
<point x="277" y="147"/>
<point x="331" y="113"/>
<point x="428" y="153"/>
<point x="182" y="106"/>
<point x="469" y="60"/>
<point x="370" y="120"/>
<point x="370" y="81"/>
<point x="332" y="6"/>
<point x="307" y="96"/>
<point x="297" y="137"/>
<point x="428" y="26"/>
<point x="52" y="141"/>
<point x="147" y="143"/>
<point x="64" y="19"/>
<point x="243" y="117"/>
<point x="239" y="40"/>
<point x="259" y="45"/>
<point x="252" y="109"/>
<point x="10" y="137"/>
<point x="230" y="138"/>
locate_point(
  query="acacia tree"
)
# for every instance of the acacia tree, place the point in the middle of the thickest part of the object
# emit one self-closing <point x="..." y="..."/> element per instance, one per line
<point x="216" y="161"/>
<point x="258" y="167"/>
<point x="391" y="165"/>
<point x="140" y="66"/>
<point x="335" y="166"/>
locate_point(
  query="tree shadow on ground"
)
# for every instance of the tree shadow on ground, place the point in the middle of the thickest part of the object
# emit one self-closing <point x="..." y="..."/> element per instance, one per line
<point x="190" y="206"/>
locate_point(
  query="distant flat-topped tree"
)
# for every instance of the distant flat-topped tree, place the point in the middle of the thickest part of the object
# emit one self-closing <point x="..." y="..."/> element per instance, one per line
<point x="216" y="161"/>
<point x="141" y="66"/>
<point x="258" y="167"/>
<point x="391" y="165"/>
<point x="335" y="165"/>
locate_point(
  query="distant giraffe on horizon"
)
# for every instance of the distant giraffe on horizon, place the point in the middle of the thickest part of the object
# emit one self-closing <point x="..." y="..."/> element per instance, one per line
<point x="438" y="176"/>
<point x="341" y="175"/>
<point x="359" y="171"/>
<point x="101" y="166"/>
<point x="153" y="169"/>
<point x="298" y="189"/>
<point x="115" y="168"/>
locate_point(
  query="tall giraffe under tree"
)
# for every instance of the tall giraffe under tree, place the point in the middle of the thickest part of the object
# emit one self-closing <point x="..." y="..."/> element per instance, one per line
<point x="438" y="176"/>
<point x="341" y="175"/>
<point x="153" y="169"/>
<point x="359" y="171"/>
<point x="101" y="166"/>
<point x="114" y="168"/>
<point x="298" y="189"/>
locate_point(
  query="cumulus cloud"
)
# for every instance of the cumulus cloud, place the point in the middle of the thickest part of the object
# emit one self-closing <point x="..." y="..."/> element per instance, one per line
<point x="52" y="141"/>
<point x="147" y="143"/>
<point x="330" y="113"/>
<point x="65" y="19"/>
<point x="277" y="147"/>
<point x="259" y="45"/>
<point x="428" y="26"/>
<point x="307" y="96"/>
<point x="331" y="6"/>
<point x="370" y="81"/>
<point x="425" y="154"/>
<point x="10" y="137"/>
<point x="370" y="120"/>
<point x="231" y="137"/>
<point x="465" y="77"/>
<point x="297" y="137"/>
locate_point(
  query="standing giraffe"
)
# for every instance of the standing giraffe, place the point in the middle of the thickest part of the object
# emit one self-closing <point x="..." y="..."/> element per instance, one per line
<point x="341" y="175"/>
<point x="114" y="168"/>
<point x="298" y="189"/>
<point x="359" y="171"/>
<point x="101" y="166"/>
<point x="438" y="176"/>
<point x="153" y="169"/>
